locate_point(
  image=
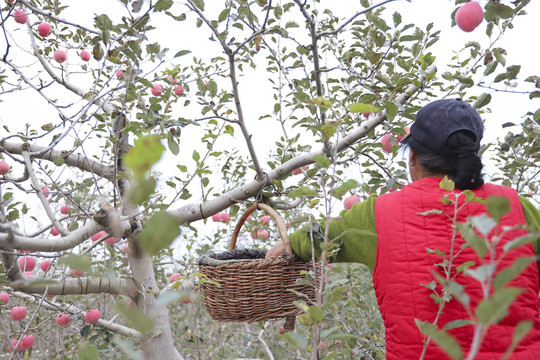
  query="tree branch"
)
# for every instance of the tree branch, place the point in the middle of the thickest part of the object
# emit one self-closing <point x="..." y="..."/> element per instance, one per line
<point x="71" y="159"/>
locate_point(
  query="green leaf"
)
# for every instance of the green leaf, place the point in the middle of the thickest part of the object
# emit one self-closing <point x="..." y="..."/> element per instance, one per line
<point x="315" y="314"/>
<point x="345" y="188"/>
<point x="199" y="4"/>
<point x="182" y="53"/>
<point x="303" y="191"/>
<point x="445" y="341"/>
<point x="87" y="352"/>
<point x="58" y="161"/>
<point x="168" y="297"/>
<point x="322" y="102"/>
<point x="173" y="145"/>
<point x="143" y="155"/>
<point x="482" y="272"/>
<point x="447" y="184"/>
<point x="482" y="100"/>
<point x="493" y="309"/>
<point x="79" y="262"/>
<point x="519" y="241"/>
<point x="163" y="5"/>
<point x="457" y="324"/>
<point x="160" y="231"/>
<point x="363" y="108"/>
<point x="142" y="190"/>
<point x="322" y="161"/>
<point x="479" y="244"/>
<point x="510" y="272"/>
<point x="135" y="318"/>
<point x="483" y="223"/>
<point x="498" y="206"/>
<point x="430" y="212"/>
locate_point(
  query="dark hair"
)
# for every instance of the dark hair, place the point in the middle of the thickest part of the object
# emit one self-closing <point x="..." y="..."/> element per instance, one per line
<point x="464" y="166"/>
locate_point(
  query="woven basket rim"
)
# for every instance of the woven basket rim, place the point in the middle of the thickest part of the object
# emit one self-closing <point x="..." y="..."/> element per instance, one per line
<point x="211" y="260"/>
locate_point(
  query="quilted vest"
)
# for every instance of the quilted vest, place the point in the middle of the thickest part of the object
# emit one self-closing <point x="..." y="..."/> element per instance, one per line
<point x="403" y="264"/>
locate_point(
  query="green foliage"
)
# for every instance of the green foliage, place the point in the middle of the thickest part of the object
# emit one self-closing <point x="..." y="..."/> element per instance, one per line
<point x="160" y="231"/>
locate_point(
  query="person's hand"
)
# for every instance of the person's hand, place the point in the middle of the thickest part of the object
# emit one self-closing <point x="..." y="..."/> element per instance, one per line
<point x="276" y="250"/>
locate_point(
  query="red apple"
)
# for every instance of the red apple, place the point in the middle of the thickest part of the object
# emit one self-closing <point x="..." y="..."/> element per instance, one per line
<point x="119" y="74"/>
<point x="45" y="265"/>
<point x="156" y="90"/>
<point x="54" y="231"/>
<point x="62" y="319"/>
<point x="281" y="329"/>
<point x="98" y="235"/>
<point x="288" y="225"/>
<point x="85" y="55"/>
<point x="18" y="313"/>
<point x="350" y="201"/>
<point x="60" y="56"/>
<point x="174" y="277"/>
<point x="385" y="141"/>
<point x="20" y="16"/>
<point x="469" y="16"/>
<point x="92" y="316"/>
<point x="126" y="248"/>
<point x="185" y="299"/>
<point x="77" y="272"/>
<point x="4" y="298"/>
<point x="178" y="90"/>
<point x="27" y="263"/>
<point x="299" y="170"/>
<point x="263" y="235"/>
<point x="265" y="220"/>
<point x="14" y="345"/>
<point x="45" y="191"/>
<point x="224" y="217"/>
<point x="407" y="132"/>
<point x="4" y="168"/>
<point x="10" y="1"/>
<point x="64" y="209"/>
<point x="28" y="273"/>
<point x="111" y="240"/>
<point x="27" y="341"/>
<point x="216" y="217"/>
<point x="44" y="29"/>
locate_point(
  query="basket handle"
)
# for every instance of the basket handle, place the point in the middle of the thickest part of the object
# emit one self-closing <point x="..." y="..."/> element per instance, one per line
<point x="274" y="215"/>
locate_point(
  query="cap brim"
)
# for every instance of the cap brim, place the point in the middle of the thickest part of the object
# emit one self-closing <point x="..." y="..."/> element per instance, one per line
<point x="406" y="139"/>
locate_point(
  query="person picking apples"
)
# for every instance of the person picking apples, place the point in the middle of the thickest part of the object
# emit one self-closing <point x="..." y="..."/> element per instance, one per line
<point x="444" y="141"/>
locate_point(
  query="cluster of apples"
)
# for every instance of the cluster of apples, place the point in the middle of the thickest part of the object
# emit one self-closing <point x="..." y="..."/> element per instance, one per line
<point x="178" y="90"/>
<point x="44" y="30"/>
<point x="18" y="313"/>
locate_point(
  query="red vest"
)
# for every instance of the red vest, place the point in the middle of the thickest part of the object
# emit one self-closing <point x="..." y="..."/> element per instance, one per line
<point x="403" y="264"/>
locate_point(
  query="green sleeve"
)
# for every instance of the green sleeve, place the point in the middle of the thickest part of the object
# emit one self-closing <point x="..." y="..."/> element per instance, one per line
<point x="354" y="231"/>
<point x="532" y="216"/>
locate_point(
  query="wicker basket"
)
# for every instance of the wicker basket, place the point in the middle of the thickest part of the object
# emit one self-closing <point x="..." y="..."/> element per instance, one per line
<point x="253" y="288"/>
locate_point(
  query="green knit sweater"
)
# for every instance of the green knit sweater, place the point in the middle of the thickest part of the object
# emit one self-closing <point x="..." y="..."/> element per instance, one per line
<point x="355" y="232"/>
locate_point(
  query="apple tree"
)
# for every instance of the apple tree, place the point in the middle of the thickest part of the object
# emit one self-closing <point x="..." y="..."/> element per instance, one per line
<point x="135" y="133"/>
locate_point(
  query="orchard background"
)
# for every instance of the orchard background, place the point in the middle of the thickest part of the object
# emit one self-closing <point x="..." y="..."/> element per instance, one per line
<point x="126" y="165"/>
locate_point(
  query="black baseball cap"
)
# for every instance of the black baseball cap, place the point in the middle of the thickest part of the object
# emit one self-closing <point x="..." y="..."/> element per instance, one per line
<point x="439" y="119"/>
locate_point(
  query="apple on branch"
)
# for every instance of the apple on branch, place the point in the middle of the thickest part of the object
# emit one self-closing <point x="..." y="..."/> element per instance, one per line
<point x="20" y="16"/>
<point x="44" y="29"/>
<point x="60" y="56"/>
<point x="469" y="16"/>
<point x="4" y="168"/>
